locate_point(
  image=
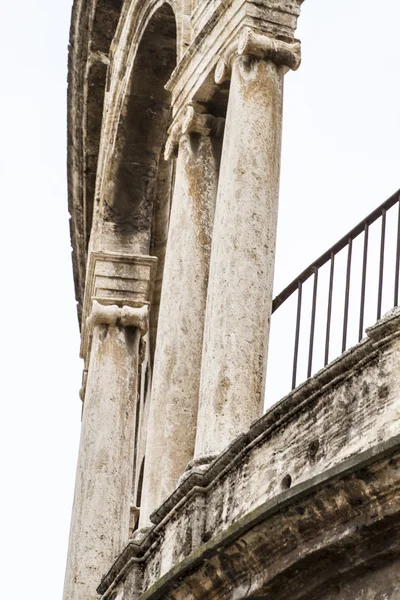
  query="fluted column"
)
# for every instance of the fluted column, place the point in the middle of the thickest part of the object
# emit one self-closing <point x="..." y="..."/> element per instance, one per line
<point x="111" y="337"/>
<point x="243" y="248"/>
<point x="176" y="375"/>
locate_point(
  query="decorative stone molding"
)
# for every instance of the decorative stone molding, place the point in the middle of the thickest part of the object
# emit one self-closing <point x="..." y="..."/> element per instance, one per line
<point x="117" y="284"/>
<point x="119" y="279"/>
<point x="197" y="466"/>
<point x="192" y="120"/>
<point x="113" y="315"/>
<point x="262" y="46"/>
<point x="202" y="123"/>
<point x="224" y="65"/>
<point x="266" y="47"/>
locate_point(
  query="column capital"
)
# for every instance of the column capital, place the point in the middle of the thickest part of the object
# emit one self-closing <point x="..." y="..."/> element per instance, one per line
<point x="193" y="119"/>
<point x="250" y="43"/>
<point x="113" y="315"/>
<point x="118" y="291"/>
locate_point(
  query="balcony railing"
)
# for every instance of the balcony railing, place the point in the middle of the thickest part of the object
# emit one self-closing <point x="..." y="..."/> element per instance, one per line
<point x="369" y="277"/>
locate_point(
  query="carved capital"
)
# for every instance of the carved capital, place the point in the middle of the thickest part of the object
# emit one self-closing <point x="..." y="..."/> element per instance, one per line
<point x="255" y="44"/>
<point x="195" y="121"/>
<point x="82" y="391"/>
<point x="224" y="65"/>
<point x="172" y="145"/>
<point x="113" y="315"/>
<point x="117" y="287"/>
<point x="263" y="46"/>
<point x="192" y="120"/>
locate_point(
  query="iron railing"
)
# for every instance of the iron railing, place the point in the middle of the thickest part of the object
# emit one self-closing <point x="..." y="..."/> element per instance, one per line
<point x="313" y="270"/>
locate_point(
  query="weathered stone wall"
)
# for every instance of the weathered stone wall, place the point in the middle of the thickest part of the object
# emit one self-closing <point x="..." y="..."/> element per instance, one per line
<point x="379" y="583"/>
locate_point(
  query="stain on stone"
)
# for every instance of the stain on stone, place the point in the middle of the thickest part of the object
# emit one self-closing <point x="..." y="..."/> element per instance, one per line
<point x="383" y="392"/>
<point x="365" y="389"/>
<point x="313" y="448"/>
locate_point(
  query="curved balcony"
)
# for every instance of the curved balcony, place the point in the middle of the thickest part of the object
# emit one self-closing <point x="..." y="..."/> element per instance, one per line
<point x="305" y="504"/>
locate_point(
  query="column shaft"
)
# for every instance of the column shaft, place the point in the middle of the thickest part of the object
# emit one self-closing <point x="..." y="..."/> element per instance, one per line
<point x="101" y="511"/>
<point x="242" y="260"/>
<point x="176" y="375"/>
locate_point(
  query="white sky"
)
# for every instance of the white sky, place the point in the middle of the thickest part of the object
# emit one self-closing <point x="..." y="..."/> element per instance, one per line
<point x="340" y="160"/>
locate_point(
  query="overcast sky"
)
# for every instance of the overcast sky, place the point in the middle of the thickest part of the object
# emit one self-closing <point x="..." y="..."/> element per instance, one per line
<point x="340" y="160"/>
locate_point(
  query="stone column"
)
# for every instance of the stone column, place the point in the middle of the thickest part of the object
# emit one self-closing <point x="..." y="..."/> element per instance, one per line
<point x="243" y="249"/>
<point x="111" y="338"/>
<point x="176" y="375"/>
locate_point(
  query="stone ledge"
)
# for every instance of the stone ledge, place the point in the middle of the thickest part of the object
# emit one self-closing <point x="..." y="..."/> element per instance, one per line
<point x="137" y="553"/>
<point x="285" y="500"/>
<point x="275" y="418"/>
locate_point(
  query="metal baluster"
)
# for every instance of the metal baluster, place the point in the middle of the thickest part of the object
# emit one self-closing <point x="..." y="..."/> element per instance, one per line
<point x="347" y="295"/>
<point x="381" y="265"/>
<point x="312" y="328"/>
<point x="328" y="317"/>
<point x="396" y="279"/>
<point x="363" y="282"/>
<point x="297" y="337"/>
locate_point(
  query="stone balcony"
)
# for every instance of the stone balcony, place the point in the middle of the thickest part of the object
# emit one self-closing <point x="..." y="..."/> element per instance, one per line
<point x="309" y="493"/>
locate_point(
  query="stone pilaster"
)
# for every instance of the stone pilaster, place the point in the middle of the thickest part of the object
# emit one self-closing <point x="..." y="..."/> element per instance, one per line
<point x="110" y="346"/>
<point x="195" y="142"/>
<point x="243" y="248"/>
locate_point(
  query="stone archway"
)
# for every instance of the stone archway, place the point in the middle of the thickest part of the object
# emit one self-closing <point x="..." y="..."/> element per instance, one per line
<point x="138" y="181"/>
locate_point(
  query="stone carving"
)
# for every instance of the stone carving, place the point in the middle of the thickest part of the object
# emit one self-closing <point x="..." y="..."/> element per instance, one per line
<point x="262" y="46"/>
<point x="202" y="123"/>
<point x="117" y="280"/>
<point x="114" y="315"/>
<point x="193" y="120"/>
